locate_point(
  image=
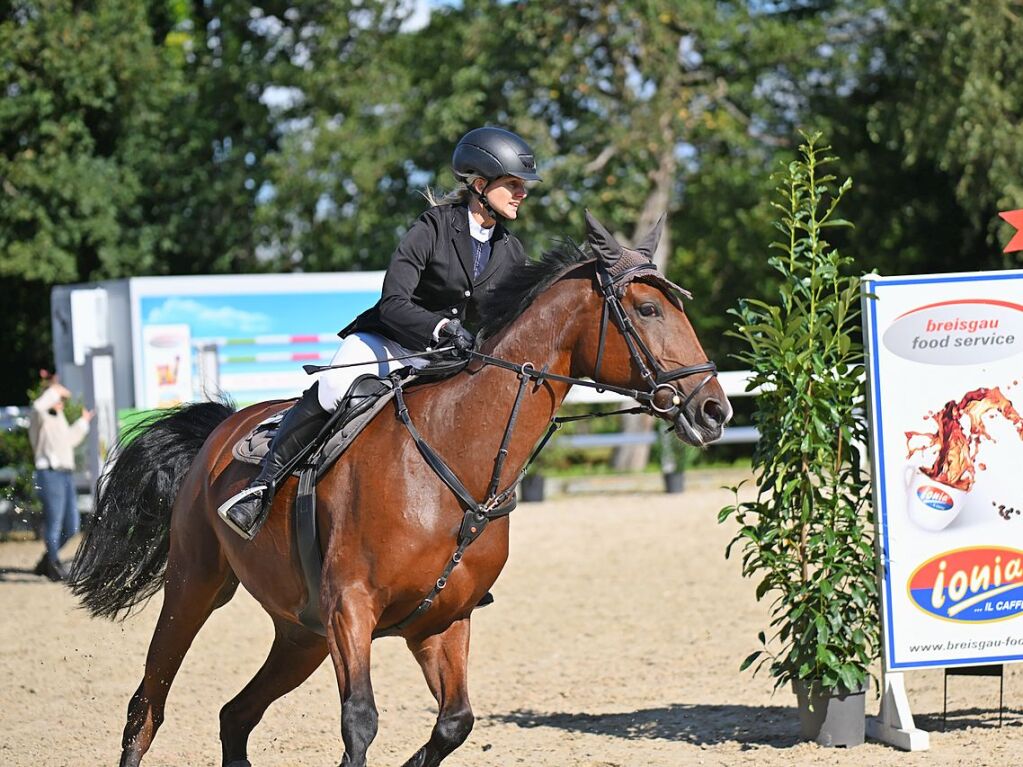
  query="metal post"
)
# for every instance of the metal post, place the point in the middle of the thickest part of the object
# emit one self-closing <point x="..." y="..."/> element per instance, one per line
<point x="209" y="371"/>
<point x="997" y="670"/>
<point x="99" y="396"/>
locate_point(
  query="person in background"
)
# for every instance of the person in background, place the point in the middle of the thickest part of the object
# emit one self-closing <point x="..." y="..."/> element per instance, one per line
<point x="53" y="444"/>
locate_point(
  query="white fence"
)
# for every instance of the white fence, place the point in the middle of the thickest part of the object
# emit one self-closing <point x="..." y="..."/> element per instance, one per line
<point x="733" y="382"/>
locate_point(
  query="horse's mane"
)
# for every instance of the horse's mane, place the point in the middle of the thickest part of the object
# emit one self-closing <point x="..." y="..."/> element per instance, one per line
<point x="524" y="283"/>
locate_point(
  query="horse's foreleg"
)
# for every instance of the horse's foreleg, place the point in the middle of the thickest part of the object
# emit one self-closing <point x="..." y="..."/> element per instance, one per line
<point x="196" y="583"/>
<point x="295" y="654"/>
<point x="349" y="635"/>
<point x="444" y="659"/>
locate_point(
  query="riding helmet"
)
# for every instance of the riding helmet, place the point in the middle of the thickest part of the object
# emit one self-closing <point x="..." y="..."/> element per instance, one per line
<point x="492" y="153"/>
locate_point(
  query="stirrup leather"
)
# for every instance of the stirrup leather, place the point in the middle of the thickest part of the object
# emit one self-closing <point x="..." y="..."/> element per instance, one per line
<point x="238" y="498"/>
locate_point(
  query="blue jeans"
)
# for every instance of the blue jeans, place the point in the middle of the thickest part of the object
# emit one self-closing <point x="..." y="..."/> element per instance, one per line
<point x="60" y="508"/>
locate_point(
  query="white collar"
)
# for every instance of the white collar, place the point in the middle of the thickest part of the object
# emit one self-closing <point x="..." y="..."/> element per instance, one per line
<point x="478" y="232"/>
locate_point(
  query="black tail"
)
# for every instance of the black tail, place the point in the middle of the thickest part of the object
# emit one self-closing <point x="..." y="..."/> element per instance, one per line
<point x="123" y="556"/>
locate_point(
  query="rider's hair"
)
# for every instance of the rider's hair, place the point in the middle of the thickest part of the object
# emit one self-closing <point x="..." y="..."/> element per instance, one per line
<point x="455" y="197"/>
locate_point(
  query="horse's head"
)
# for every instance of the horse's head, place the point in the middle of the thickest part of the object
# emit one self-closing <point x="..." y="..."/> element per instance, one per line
<point x="645" y="341"/>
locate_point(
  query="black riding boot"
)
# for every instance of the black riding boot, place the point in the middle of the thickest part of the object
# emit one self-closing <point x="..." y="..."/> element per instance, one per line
<point x="245" y="512"/>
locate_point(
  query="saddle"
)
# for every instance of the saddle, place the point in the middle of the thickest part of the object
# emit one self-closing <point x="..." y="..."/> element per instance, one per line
<point x="367" y="397"/>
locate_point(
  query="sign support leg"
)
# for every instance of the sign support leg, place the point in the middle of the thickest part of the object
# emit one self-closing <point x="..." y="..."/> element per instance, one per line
<point x="894" y="722"/>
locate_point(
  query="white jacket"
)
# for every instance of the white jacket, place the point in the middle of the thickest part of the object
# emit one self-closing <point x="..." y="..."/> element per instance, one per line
<point x="53" y="439"/>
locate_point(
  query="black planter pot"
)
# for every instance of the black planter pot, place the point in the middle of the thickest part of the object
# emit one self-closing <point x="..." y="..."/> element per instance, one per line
<point x="674" y="482"/>
<point x="831" y="717"/>
<point x="532" y="488"/>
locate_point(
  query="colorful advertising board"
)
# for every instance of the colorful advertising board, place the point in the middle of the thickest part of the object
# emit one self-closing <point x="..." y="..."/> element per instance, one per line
<point x="258" y="329"/>
<point x="945" y="381"/>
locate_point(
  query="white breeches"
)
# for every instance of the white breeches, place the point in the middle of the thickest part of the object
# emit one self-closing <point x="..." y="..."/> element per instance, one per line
<point x="362" y="347"/>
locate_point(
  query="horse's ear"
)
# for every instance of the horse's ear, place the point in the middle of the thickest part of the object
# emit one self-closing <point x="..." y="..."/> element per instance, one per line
<point x="649" y="245"/>
<point x="604" y="245"/>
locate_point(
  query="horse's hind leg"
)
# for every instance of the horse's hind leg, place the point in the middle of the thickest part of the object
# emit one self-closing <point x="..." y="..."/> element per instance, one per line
<point x="294" y="655"/>
<point x="444" y="659"/>
<point x="197" y="581"/>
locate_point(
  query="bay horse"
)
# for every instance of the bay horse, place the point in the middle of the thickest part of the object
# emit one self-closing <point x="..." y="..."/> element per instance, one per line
<point x="387" y="522"/>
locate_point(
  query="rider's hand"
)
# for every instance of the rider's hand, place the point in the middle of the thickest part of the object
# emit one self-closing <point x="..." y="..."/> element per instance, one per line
<point x="461" y="340"/>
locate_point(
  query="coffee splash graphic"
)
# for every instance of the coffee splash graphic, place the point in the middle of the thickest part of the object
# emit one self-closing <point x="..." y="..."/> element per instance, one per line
<point x="960" y="431"/>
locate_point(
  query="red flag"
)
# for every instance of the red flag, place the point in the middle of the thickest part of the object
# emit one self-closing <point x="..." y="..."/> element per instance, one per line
<point x="1014" y="217"/>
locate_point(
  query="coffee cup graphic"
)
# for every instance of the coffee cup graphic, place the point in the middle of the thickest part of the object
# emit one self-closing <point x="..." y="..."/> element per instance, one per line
<point x="931" y="505"/>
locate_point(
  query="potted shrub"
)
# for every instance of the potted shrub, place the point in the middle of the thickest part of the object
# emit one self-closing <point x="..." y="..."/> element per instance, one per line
<point x="20" y="508"/>
<point x="532" y="487"/>
<point x="674" y="459"/>
<point x="808" y="534"/>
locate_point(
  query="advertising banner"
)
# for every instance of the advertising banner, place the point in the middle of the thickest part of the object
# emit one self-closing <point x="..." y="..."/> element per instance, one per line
<point x="244" y="335"/>
<point x="167" y="362"/>
<point x="945" y="376"/>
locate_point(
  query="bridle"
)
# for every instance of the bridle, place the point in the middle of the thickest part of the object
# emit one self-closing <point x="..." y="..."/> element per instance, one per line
<point x="612" y="288"/>
<point x="644" y="360"/>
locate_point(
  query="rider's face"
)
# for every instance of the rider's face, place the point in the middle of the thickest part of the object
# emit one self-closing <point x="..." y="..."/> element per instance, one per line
<point x="506" y="194"/>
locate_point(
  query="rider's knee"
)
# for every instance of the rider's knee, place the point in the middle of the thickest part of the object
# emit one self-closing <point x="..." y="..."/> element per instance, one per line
<point x="330" y="390"/>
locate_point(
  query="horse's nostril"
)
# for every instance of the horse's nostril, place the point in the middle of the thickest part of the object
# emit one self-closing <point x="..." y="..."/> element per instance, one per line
<point x="713" y="413"/>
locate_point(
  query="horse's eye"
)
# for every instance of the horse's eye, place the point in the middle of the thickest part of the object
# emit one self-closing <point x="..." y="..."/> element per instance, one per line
<point x="649" y="309"/>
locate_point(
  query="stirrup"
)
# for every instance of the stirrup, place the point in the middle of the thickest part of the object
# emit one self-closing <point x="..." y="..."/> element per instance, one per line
<point x="238" y="498"/>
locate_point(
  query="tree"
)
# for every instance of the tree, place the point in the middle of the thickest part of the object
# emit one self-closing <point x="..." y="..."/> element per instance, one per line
<point x="646" y="102"/>
<point x="83" y="88"/>
<point x="921" y="104"/>
<point x="340" y="188"/>
<point x="628" y="106"/>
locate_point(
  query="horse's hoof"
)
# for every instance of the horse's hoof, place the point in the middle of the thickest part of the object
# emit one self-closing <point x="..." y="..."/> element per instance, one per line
<point x="239" y="763"/>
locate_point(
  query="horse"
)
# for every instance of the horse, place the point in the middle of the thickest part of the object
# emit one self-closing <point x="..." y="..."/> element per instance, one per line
<point x="385" y="534"/>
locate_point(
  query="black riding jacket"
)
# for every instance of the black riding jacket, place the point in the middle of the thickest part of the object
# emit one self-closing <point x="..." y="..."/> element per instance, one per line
<point x="430" y="278"/>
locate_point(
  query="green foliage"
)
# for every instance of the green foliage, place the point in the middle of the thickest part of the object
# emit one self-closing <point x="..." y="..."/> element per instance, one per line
<point x="961" y="105"/>
<point x="85" y="92"/>
<point x="808" y="535"/>
<point x="16" y="456"/>
<point x="83" y="89"/>
<point x="917" y="99"/>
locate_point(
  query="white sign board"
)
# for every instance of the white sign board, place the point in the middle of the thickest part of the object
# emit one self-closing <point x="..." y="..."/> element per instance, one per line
<point x="167" y="362"/>
<point x="89" y="321"/>
<point x="945" y="376"/>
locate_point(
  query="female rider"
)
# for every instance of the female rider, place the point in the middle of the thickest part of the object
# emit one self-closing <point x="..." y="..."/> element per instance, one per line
<point x="456" y="251"/>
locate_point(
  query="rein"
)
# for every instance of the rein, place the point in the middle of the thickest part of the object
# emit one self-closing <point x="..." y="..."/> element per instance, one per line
<point x="478" y="514"/>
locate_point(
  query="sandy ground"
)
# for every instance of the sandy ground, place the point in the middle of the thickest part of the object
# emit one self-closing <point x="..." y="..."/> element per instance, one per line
<point x="615" y="640"/>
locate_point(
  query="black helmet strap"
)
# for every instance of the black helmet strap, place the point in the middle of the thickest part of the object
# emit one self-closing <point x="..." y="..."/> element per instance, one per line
<point x="482" y="197"/>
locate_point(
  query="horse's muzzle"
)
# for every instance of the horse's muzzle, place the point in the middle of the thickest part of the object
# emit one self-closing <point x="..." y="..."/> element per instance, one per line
<point x="703" y="421"/>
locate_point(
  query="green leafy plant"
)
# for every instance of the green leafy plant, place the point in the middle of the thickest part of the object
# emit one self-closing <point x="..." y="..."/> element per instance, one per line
<point x="17" y="481"/>
<point x="808" y="535"/>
